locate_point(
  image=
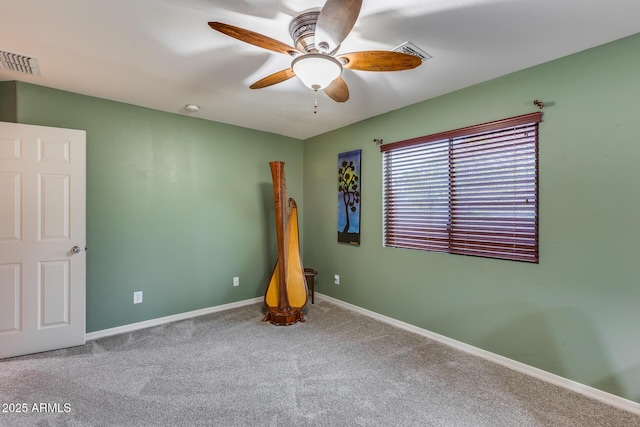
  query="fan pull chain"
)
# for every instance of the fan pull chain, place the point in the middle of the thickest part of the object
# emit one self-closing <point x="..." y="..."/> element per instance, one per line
<point x="315" y="103"/>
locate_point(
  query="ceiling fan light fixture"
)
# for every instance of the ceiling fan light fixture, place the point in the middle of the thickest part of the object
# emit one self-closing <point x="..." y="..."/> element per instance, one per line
<point x="316" y="70"/>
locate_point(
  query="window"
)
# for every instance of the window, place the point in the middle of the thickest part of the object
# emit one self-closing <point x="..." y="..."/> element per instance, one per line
<point x="470" y="191"/>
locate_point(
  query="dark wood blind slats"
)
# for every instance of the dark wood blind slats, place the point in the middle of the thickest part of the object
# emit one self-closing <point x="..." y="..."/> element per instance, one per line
<point x="470" y="191"/>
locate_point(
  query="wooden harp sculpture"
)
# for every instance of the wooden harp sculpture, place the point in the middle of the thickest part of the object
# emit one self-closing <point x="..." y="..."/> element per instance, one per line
<point x="286" y="294"/>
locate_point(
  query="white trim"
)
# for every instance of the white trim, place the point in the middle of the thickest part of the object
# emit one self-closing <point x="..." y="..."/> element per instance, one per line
<point x="173" y="318"/>
<point x="594" y="393"/>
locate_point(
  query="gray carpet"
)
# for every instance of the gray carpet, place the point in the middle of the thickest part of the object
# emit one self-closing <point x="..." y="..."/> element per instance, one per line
<point x="230" y="369"/>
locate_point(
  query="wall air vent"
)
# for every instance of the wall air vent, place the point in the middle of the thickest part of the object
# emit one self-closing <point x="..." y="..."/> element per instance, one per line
<point x="19" y="63"/>
<point x="412" y="49"/>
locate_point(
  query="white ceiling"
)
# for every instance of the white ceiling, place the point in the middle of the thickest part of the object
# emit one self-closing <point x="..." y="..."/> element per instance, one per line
<point x="161" y="54"/>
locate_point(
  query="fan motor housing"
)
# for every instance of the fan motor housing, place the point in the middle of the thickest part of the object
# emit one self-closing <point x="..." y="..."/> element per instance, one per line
<point x="303" y="30"/>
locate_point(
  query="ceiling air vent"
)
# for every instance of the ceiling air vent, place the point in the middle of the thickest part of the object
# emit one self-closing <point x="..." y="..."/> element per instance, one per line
<point x="20" y="63"/>
<point x="412" y="49"/>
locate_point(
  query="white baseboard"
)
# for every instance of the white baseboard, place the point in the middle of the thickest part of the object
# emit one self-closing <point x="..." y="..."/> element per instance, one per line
<point x="173" y="318"/>
<point x="594" y="393"/>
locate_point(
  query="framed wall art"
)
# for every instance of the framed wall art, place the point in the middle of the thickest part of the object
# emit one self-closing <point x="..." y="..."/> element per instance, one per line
<point x="349" y="184"/>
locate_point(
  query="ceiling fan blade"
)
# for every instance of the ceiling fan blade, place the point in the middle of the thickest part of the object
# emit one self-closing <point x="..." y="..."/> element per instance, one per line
<point x="379" y="60"/>
<point x="335" y="22"/>
<point x="338" y="90"/>
<point x="274" y="78"/>
<point x="254" y="38"/>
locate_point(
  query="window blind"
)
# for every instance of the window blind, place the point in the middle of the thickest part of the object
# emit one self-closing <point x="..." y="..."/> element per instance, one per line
<point x="470" y="191"/>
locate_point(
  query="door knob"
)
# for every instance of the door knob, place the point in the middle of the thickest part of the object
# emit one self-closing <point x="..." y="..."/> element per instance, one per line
<point x="75" y="249"/>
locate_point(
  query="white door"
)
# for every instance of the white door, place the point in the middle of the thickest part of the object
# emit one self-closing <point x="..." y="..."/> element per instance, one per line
<point x="42" y="238"/>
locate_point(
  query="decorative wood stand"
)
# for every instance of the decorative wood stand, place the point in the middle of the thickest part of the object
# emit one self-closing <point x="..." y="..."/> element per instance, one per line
<point x="284" y="318"/>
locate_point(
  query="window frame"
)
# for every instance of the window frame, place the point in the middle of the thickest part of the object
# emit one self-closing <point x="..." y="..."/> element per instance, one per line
<point x="517" y="242"/>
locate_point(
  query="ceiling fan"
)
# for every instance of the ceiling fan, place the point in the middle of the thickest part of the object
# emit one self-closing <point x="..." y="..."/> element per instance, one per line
<point x="317" y="35"/>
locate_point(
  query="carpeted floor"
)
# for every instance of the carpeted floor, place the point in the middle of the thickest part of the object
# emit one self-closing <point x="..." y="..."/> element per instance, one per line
<point x="340" y="368"/>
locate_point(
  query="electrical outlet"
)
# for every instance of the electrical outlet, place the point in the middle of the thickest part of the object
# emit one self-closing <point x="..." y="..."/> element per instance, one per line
<point x="137" y="297"/>
<point x="236" y="281"/>
<point x="336" y="279"/>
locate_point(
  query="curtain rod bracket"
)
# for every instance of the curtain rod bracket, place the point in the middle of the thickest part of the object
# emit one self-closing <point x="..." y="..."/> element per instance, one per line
<point x="378" y="141"/>
<point x="538" y="104"/>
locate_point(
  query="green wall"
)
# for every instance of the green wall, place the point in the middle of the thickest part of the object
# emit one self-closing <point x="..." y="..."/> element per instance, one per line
<point x="8" y="102"/>
<point x="577" y="312"/>
<point x="176" y="206"/>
